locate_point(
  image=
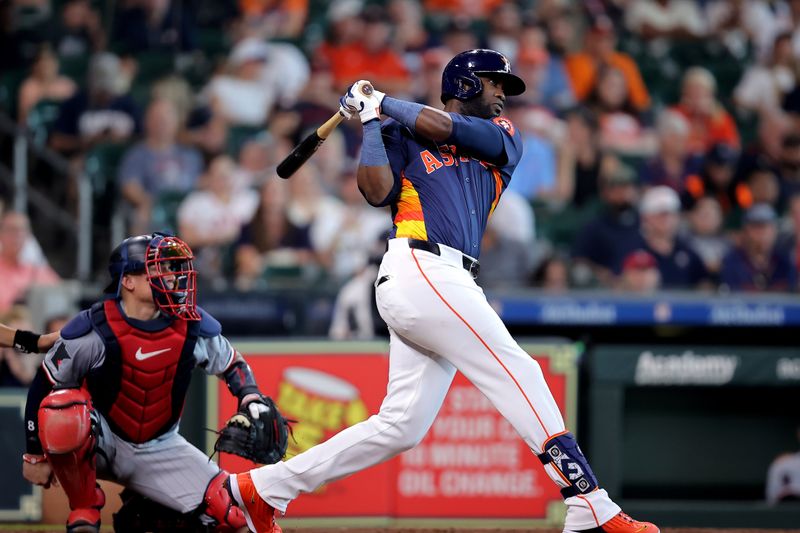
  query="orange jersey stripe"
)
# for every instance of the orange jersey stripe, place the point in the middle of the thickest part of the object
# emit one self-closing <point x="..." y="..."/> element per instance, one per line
<point x="410" y="220"/>
<point x="498" y="188"/>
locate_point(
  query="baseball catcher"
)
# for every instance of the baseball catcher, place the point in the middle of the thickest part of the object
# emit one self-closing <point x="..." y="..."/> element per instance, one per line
<point x="107" y="400"/>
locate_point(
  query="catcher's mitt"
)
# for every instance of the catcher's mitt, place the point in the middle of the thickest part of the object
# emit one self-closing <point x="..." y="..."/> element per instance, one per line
<point x="262" y="440"/>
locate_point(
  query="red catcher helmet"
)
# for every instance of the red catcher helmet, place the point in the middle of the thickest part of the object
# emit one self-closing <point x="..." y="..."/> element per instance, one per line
<point x="168" y="263"/>
<point x="461" y="76"/>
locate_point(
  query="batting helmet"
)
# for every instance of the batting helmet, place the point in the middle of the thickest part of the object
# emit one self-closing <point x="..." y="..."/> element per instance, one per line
<point x="460" y="78"/>
<point x="167" y="262"/>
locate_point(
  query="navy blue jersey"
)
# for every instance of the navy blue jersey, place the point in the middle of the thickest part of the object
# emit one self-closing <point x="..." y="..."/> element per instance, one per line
<point x="442" y="192"/>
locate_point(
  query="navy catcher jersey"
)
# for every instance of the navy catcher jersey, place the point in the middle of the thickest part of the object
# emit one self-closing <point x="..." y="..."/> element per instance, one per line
<point x="442" y="193"/>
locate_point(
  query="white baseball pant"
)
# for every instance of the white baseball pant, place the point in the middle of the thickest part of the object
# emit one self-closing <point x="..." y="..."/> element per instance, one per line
<point x="440" y="322"/>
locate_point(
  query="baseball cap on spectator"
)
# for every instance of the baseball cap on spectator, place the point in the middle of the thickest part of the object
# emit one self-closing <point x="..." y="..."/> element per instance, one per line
<point x="249" y="50"/>
<point x="344" y="9"/>
<point x="639" y="260"/>
<point x="661" y="199"/>
<point x="760" y="214"/>
<point x="722" y="154"/>
<point x="622" y="175"/>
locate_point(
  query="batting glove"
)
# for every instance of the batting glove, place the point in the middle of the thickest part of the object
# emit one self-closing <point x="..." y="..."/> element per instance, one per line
<point x="362" y="98"/>
<point x="346" y="112"/>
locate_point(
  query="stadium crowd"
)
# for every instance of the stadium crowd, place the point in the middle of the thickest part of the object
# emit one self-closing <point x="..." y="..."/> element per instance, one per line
<point x="662" y="137"/>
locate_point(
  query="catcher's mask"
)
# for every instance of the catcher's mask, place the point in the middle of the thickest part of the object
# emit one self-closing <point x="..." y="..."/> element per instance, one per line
<point x="167" y="262"/>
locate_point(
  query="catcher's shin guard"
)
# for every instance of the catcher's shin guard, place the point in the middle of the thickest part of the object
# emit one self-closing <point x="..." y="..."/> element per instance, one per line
<point x="220" y="506"/>
<point x="564" y="462"/>
<point x="65" y="429"/>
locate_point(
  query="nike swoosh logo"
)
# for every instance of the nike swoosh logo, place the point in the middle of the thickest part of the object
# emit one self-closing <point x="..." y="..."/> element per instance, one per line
<point x="141" y="356"/>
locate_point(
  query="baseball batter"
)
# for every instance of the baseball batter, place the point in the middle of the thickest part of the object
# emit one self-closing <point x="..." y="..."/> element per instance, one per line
<point x="442" y="173"/>
<point x="108" y="399"/>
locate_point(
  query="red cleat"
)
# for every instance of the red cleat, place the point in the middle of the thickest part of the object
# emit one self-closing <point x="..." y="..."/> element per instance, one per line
<point x="259" y="514"/>
<point x="621" y="523"/>
<point x="84" y="521"/>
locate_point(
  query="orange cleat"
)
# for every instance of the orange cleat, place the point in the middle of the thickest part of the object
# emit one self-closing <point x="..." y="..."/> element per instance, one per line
<point x="259" y="514"/>
<point x="621" y="523"/>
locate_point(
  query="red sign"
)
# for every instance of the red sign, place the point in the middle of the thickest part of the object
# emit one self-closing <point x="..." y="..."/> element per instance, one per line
<point x="471" y="464"/>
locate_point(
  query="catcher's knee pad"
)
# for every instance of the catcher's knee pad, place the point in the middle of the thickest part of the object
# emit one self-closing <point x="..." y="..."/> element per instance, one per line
<point x="65" y="422"/>
<point x="67" y="435"/>
<point x="218" y="504"/>
<point x="565" y="463"/>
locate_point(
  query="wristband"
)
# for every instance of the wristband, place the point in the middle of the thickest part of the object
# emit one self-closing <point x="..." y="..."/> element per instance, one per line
<point x="33" y="459"/>
<point x="26" y="341"/>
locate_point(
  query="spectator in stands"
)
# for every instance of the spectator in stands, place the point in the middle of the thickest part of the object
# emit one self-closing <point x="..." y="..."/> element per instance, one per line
<point x="350" y="227"/>
<point x="370" y="57"/>
<point x="210" y="220"/>
<point x="744" y="24"/>
<point x="678" y="263"/>
<point x="767" y="150"/>
<point x="544" y="172"/>
<point x="240" y="97"/>
<point x="17" y="274"/>
<point x="154" y="26"/>
<point x="704" y="233"/>
<point x="621" y="128"/>
<point x="505" y="25"/>
<point x="459" y="36"/>
<point x="43" y="84"/>
<point x="79" y="32"/>
<point x="709" y="122"/>
<point x="762" y="186"/>
<point x="544" y="72"/>
<point x="756" y="264"/>
<point x="716" y="179"/>
<point x="640" y="273"/>
<point x="783" y="477"/>
<point x="103" y="113"/>
<point x="766" y="84"/>
<point x="590" y="159"/>
<point x="473" y="9"/>
<point x="606" y="240"/>
<point x="428" y="82"/>
<point x="271" y="237"/>
<point x="552" y="275"/>
<point x="789" y="165"/>
<point x="256" y="158"/>
<point x="505" y="262"/>
<point x="789" y="237"/>
<point x="599" y="50"/>
<point x="672" y="164"/>
<point x="665" y="20"/>
<point x="16" y="368"/>
<point x="355" y="314"/>
<point x="157" y="164"/>
<point x="274" y="19"/>
<point x="408" y="19"/>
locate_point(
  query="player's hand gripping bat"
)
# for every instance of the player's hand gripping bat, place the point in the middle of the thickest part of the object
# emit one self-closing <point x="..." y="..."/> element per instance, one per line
<point x="310" y="144"/>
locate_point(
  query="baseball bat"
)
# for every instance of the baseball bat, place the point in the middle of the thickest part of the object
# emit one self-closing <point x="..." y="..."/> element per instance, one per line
<point x="310" y="144"/>
<point x="307" y="147"/>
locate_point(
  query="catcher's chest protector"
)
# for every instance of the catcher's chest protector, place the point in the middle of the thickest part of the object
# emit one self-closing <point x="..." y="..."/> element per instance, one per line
<point x="142" y="384"/>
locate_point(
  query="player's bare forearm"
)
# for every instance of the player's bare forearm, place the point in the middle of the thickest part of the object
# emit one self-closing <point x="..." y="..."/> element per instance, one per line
<point x="44" y="342"/>
<point x="375" y="182"/>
